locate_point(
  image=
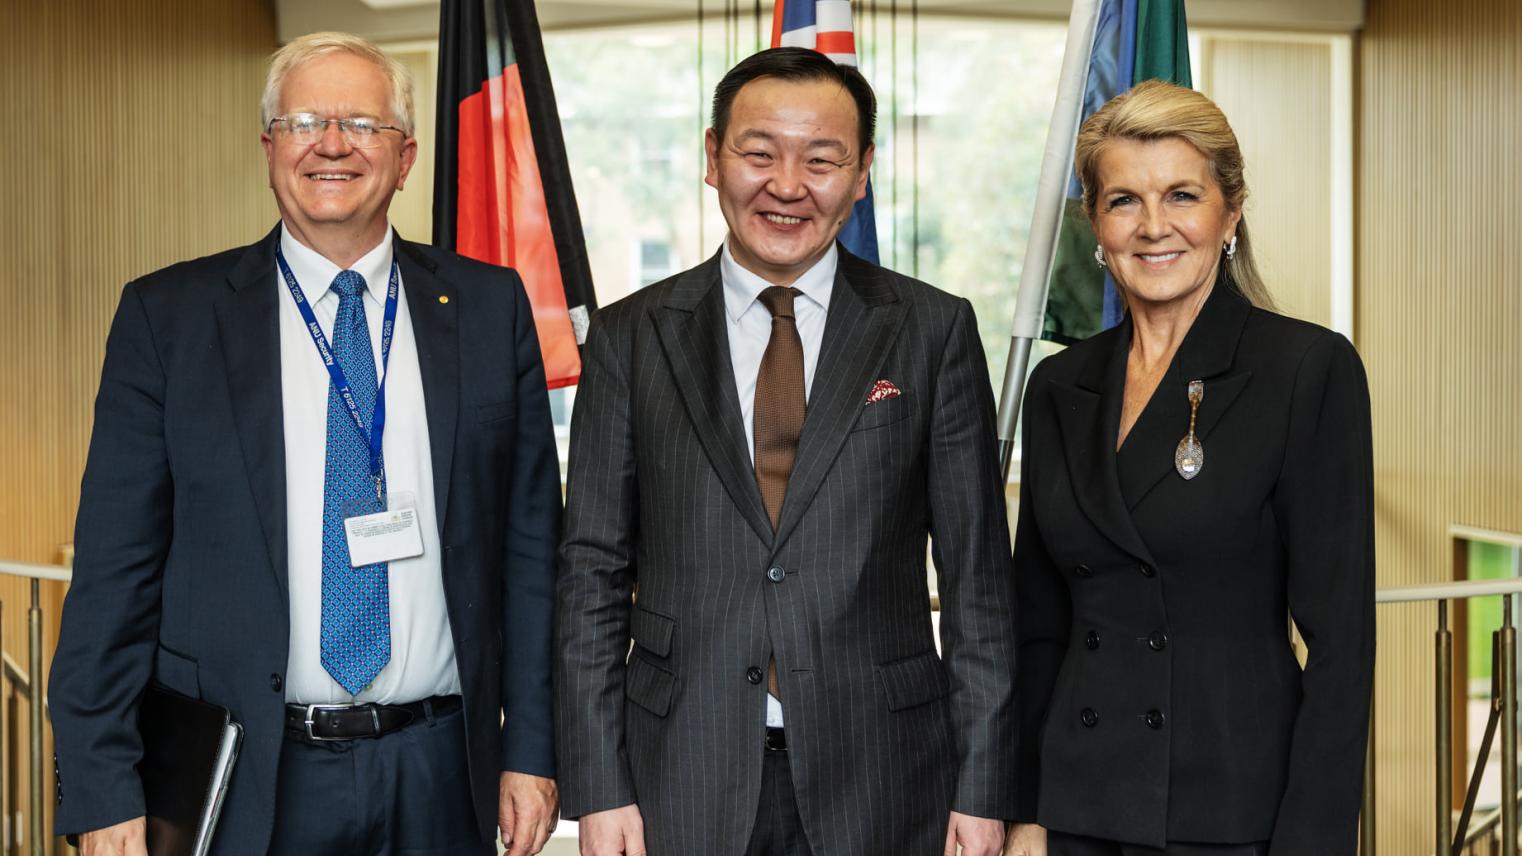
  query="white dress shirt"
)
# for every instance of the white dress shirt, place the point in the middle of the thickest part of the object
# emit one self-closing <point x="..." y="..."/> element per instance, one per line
<point x="750" y="328"/>
<point x="422" y="651"/>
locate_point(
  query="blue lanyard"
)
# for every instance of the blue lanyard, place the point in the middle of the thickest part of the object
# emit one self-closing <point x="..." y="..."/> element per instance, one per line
<point x="336" y="373"/>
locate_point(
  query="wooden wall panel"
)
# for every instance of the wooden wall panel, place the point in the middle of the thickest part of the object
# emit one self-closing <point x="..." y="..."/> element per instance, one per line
<point x="134" y="144"/>
<point x="1439" y="323"/>
<point x="1277" y="95"/>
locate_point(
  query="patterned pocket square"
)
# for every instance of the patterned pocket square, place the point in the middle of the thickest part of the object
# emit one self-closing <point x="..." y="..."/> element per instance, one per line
<point x="882" y="391"/>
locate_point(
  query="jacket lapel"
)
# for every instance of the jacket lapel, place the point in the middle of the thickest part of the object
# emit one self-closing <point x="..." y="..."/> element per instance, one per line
<point x="1089" y="414"/>
<point x="248" y="325"/>
<point x="864" y="318"/>
<point x="435" y="327"/>
<point x="693" y="334"/>
<point x="1206" y="354"/>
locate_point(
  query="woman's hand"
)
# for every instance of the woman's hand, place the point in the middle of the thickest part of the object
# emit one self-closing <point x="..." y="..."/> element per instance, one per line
<point x="1025" y="839"/>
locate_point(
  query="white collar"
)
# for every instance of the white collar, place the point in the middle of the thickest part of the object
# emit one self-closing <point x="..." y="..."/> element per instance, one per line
<point x="742" y="287"/>
<point x="315" y="272"/>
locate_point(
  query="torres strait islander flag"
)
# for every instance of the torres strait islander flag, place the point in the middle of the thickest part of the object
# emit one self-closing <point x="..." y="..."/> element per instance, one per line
<point x="502" y="187"/>
<point x="825" y="26"/>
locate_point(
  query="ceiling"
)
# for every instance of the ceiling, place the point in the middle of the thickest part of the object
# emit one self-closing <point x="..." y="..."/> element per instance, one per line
<point x="405" y="20"/>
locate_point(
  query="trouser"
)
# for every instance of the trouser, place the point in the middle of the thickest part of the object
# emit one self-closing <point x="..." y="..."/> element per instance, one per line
<point x="779" y="828"/>
<point x="406" y="793"/>
<point x="1063" y="844"/>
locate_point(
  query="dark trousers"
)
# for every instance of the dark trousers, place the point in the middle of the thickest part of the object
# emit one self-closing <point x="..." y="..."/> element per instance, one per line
<point x="779" y="829"/>
<point x="1063" y="844"/>
<point x="406" y="793"/>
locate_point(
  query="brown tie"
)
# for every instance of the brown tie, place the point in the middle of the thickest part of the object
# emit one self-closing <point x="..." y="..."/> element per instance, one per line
<point x="778" y="421"/>
<point x="779" y="401"/>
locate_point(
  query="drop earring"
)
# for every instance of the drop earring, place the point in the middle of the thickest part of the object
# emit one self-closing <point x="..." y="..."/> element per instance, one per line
<point x="1231" y="247"/>
<point x="1099" y="256"/>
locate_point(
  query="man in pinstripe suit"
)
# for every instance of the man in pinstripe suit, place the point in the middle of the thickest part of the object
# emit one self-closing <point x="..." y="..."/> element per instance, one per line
<point x="762" y="446"/>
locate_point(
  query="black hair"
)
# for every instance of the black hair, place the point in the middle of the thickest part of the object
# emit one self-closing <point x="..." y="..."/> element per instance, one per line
<point x="798" y="65"/>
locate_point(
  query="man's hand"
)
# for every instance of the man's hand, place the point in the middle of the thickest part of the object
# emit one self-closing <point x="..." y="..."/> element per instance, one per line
<point x="527" y="809"/>
<point x="615" y="832"/>
<point x="128" y="838"/>
<point x="1025" y="839"/>
<point x="978" y="836"/>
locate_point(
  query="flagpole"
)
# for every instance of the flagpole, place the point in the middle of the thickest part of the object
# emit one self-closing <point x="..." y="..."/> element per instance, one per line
<point x="1046" y="220"/>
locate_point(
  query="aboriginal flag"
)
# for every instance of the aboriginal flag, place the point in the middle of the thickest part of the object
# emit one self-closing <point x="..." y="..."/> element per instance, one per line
<point x="502" y="188"/>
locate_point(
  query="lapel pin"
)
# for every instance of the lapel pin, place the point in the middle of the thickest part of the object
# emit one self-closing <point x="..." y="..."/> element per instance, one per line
<point x="1189" y="457"/>
<point x="443" y="298"/>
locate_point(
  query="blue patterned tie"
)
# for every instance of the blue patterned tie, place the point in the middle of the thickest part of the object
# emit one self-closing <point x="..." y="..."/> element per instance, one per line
<point x="356" y="622"/>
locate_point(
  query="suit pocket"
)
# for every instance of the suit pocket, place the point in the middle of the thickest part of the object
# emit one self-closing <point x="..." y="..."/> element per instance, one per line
<point x="652" y="631"/>
<point x="648" y="685"/>
<point x="176" y="672"/>
<point x="885" y="412"/>
<point x="501" y="411"/>
<point x="914" y="681"/>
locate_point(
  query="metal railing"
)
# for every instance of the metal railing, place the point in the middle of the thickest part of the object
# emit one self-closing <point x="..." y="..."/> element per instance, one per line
<point x="1448" y="840"/>
<point x="28" y="684"/>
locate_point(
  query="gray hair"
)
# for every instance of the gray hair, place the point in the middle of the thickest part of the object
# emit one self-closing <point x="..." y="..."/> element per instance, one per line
<point x="314" y="45"/>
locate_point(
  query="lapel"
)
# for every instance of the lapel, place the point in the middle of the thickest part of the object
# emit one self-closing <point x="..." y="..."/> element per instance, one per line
<point x="693" y="333"/>
<point x="435" y="327"/>
<point x="248" y="326"/>
<point x="1089" y="414"/>
<point x="1206" y="353"/>
<point x="864" y="318"/>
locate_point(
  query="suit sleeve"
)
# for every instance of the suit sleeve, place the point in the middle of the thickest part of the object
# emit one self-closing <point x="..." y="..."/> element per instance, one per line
<point x="596" y="584"/>
<point x="528" y="592"/>
<point x="970" y="545"/>
<point x="1324" y="504"/>
<point x="110" y="618"/>
<point x="1045" y="613"/>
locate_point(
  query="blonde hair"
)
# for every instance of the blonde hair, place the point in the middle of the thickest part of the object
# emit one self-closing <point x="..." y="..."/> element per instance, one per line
<point x="1157" y="110"/>
<point x="315" y="45"/>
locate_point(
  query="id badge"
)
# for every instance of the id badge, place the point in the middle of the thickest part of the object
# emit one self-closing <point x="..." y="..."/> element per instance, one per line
<point x="385" y="536"/>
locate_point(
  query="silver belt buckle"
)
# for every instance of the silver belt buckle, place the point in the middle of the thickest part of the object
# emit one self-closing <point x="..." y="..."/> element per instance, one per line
<point x="313" y="708"/>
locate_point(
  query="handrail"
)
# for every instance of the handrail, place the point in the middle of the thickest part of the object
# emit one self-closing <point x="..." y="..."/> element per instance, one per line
<point x="23" y="682"/>
<point x="56" y="573"/>
<point x="1459" y="590"/>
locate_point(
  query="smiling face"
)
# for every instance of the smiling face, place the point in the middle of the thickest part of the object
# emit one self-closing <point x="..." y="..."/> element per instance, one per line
<point x="787" y="173"/>
<point x="331" y="189"/>
<point x="1161" y="219"/>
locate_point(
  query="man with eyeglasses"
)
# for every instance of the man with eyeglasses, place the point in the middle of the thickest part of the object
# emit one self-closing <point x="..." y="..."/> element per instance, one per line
<point x="323" y="493"/>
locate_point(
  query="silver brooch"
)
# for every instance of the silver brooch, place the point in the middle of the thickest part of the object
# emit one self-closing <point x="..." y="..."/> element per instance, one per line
<point x="1189" y="457"/>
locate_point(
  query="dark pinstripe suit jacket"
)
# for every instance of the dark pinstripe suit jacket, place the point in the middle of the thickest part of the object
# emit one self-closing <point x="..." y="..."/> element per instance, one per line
<point x="885" y="736"/>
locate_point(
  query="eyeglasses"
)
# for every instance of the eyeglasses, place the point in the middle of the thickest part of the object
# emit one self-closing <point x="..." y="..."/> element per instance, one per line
<point x="358" y="131"/>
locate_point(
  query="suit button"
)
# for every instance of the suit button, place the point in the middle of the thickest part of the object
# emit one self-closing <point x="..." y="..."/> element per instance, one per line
<point x="1084" y="571"/>
<point x="1089" y="717"/>
<point x="1092" y="640"/>
<point x="776" y="574"/>
<point x="1155" y="719"/>
<point x="1148" y="571"/>
<point x="1157" y="640"/>
<point x="276" y="683"/>
<point x="754" y="675"/>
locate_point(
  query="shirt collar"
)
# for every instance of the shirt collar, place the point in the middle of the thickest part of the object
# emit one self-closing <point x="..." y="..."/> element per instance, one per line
<point x="315" y="273"/>
<point x="742" y="287"/>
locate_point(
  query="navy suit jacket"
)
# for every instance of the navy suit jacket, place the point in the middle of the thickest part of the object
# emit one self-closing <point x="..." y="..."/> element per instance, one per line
<point x="180" y="568"/>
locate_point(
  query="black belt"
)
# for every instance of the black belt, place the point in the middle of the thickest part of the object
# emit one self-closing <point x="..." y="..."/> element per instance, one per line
<point x="351" y="721"/>
<point x="776" y="740"/>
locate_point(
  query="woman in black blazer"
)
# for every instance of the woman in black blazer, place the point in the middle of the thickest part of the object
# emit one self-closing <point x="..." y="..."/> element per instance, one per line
<point x="1191" y="479"/>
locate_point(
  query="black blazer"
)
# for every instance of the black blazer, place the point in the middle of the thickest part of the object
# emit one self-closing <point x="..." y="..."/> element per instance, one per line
<point x="1160" y="698"/>
<point x="180" y="568"/>
<point x="884" y="736"/>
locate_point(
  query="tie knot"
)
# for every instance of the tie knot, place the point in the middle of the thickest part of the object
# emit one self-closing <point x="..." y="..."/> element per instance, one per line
<point x="348" y="284"/>
<point x="778" y="300"/>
